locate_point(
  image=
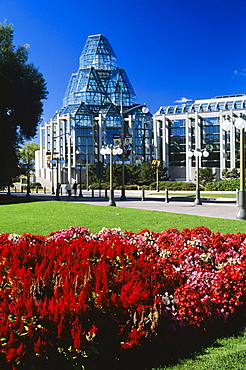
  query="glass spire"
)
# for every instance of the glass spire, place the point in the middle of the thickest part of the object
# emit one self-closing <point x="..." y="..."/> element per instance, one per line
<point x="98" y="80"/>
<point x="98" y="53"/>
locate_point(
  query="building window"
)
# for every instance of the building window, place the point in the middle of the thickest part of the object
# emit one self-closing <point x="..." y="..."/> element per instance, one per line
<point x="113" y="121"/>
<point x="211" y="141"/>
<point x="177" y="143"/>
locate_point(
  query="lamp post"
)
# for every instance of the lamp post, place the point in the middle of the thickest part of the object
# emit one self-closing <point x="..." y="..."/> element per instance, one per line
<point x="111" y="150"/>
<point x="56" y="161"/>
<point x="198" y="153"/>
<point x="155" y="166"/>
<point x="123" y="193"/>
<point x="52" y="180"/>
<point x="87" y="166"/>
<point x="126" y="149"/>
<point x="240" y="123"/>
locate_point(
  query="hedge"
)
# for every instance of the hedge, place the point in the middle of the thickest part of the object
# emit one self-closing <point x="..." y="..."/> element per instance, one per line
<point x="223" y="185"/>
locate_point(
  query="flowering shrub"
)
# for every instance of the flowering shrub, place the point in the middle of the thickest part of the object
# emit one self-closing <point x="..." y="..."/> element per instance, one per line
<point x="75" y="295"/>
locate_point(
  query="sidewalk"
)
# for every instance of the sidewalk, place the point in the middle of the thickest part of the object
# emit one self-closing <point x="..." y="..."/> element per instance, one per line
<point x="211" y="207"/>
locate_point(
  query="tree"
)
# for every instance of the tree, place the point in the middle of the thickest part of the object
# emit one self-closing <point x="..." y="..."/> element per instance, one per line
<point x="148" y="173"/>
<point x="27" y="153"/>
<point x="26" y="157"/>
<point x="233" y="174"/>
<point x="226" y="174"/>
<point x="131" y="174"/>
<point x="206" y="175"/>
<point x="117" y="173"/>
<point x="22" y="90"/>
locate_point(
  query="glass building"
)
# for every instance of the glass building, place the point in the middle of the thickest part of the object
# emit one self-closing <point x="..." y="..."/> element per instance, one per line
<point x="99" y="105"/>
<point x="198" y="125"/>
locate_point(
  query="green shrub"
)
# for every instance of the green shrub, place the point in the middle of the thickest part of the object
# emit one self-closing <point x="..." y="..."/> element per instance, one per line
<point x="34" y="185"/>
<point x="102" y="185"/>
<point x="223" y="185"/>
<point x="171" y="185"/>
<point x="131" y="187"/>
<point x="105" y="185"/>
<point x="174" y="185"/>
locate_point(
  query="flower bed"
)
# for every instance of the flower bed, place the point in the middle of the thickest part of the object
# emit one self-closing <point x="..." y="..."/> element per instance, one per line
<point x="74" y="295"/>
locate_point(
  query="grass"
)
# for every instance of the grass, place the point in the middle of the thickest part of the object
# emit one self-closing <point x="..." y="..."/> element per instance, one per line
<point x="225" y="354"/>
<point x="204" y="194"/>
<point x="43" y="217"/>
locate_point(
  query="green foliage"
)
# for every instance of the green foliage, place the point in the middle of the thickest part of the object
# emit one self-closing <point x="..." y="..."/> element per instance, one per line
<point x="132" y="187"/>
<point x="224" y="354"/>
<point x="35" y="185"/>
<point x="27" y="153"/>
<point x="26" y="156"/>
<point x="174" y="185"/>
<point x="144" y="175"/>
<point x="22" y="90"/>
<point x="131" y="174"/>
<point x="91" y="173"/>
<point x="206" y="175"/>
<point x="148" y="173"/>
<point x="223" y="185"/>
<point x="170" y="185"/>
<point x="230" y="174"/>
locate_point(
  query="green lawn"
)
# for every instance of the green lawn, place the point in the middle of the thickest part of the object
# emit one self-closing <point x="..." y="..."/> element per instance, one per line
<point x="224" y="354"/>
<point x="203" y="194"/>
<point x="42" y="217"/>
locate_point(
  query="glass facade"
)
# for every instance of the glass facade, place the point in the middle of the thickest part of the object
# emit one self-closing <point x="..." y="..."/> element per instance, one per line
<point x="211" y="141"/>
<point x="99" y="103"/>
<point x="143" y="138"/>
<point x="220" y="103"/>
<point x="98" y="81"/>
<point x="177" y="142"/>
<point x="199" y="125"/>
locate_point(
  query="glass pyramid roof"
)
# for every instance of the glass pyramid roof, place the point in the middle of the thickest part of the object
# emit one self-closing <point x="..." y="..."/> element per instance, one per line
<point x="98" y="80"/>
<point x="98" y="53"/>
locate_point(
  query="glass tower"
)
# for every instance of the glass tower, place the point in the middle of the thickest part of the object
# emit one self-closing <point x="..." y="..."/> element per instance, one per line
<point x="98" y="80"/>
<point x="99" y="105"/>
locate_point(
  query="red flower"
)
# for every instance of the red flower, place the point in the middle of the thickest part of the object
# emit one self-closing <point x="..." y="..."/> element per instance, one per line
<point x="40" y="347"/>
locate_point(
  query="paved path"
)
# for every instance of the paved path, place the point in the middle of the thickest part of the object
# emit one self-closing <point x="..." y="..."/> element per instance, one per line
<point x="211" y="207"/>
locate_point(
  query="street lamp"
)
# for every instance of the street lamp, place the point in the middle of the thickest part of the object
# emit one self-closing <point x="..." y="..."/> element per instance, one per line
<point x="52" y="180"/>
<point x="56" y="161"/>
<point x="240" y="123"/>
<point x="123" y="193"/>
<point x="123" y="136"/>
<point x="111" y="150"/>
<point x="198" y="153"/>
<point x="155" y="166"/>
<point x="126" y="149"/>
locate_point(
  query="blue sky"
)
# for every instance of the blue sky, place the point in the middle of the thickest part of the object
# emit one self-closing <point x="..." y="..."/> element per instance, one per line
<point x="170" y="49"/>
